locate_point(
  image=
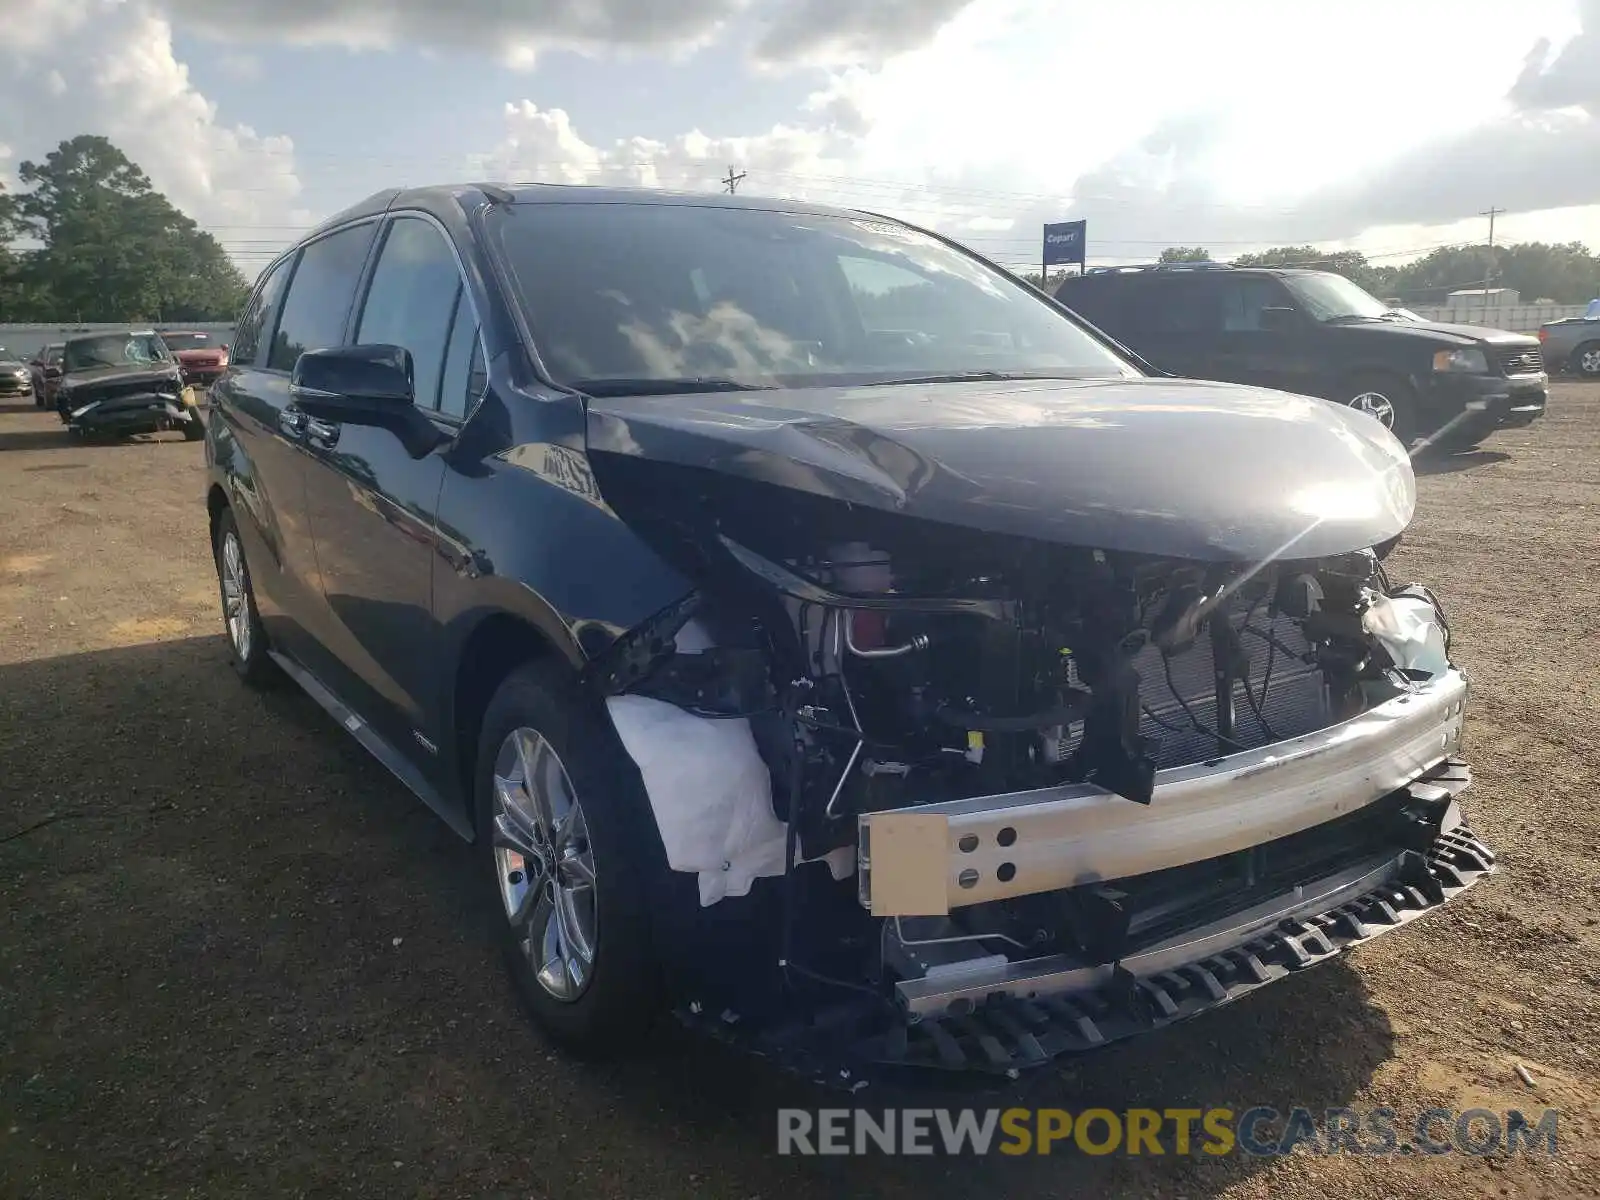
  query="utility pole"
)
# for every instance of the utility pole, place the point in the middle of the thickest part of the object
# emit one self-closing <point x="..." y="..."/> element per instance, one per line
<point x="1489" y="274"/>
<point x="733" y="180"/>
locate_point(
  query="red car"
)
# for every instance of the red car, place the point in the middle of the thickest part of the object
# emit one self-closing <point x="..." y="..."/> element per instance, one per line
<point x="45" y="371"/>
<point x="201" y="359"/>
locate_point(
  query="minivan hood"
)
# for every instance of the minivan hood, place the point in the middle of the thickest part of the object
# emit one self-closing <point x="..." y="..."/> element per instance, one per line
<point x="1178" y="468"/>
<point x="1440" y="333"/>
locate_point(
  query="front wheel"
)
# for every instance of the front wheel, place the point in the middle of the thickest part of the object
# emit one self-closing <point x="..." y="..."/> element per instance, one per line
<point x="1586" y="360"/>
<point x="1387" y="400"/>
<point x="567" y="840"/>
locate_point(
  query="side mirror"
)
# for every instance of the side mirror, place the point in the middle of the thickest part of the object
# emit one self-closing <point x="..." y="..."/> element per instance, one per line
<point x="365" y="385"/>
<point x="1277" y="320"/>
<point x="346" y="381"/>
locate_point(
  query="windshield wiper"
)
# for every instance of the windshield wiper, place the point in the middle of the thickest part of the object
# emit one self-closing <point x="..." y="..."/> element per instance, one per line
<point x="622" y="386"/>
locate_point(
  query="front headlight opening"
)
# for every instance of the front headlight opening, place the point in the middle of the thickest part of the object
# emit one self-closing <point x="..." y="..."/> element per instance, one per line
<point x="1461" y="362"/>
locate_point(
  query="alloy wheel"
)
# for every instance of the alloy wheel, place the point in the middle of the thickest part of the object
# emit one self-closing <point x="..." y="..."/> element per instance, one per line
<point x="545" y="863"/>
<point x="1375" y="404"/>
<point x="235" y="597"/>
<point x="1589" y="360"/>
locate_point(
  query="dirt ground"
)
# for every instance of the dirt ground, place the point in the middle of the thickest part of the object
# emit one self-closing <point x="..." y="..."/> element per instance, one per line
<point x="237" y="959"/>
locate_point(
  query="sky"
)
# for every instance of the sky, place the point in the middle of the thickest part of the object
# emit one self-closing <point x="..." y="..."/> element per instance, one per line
<point x="1388" y="126"/>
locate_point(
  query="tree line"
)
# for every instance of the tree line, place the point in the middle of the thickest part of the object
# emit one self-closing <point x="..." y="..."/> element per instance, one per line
<point x="87" y="238"/>
<point x="1563" y="272"/>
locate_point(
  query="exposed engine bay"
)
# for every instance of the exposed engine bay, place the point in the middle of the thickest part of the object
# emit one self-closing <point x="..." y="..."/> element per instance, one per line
<point x="906" y="685"/>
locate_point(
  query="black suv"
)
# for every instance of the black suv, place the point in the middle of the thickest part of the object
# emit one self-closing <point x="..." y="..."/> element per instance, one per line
<point x="1317" y="334"/>
<point x="809" y="623"/>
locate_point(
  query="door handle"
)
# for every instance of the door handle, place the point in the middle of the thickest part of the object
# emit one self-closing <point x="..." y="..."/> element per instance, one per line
<point x="321" y="431"/>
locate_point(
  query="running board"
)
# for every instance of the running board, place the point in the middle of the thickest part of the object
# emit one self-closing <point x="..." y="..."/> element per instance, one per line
<point x="398" y="765"/>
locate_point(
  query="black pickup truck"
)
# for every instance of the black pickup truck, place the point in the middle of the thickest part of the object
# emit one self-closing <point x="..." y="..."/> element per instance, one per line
<point x="1317" y="334"/>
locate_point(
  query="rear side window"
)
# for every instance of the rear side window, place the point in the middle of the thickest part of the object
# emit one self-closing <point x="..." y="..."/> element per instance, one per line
<point x="258" y="314"/>
<point x="1099" y="302"/>
<point x="412" y="300"/>
<point x="319" y="297"/>
<point x="1175" y="306"/>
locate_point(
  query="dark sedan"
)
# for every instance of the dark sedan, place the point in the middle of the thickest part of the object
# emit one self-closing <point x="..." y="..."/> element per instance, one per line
<point x="825" y="636"/>
<point x="118" y="384"/>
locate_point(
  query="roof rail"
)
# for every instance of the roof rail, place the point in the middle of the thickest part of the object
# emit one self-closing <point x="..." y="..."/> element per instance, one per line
<point x="1139" y="268"/>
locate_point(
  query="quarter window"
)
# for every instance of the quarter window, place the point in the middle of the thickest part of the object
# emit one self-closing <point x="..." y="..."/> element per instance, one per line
<point x="412" y="302"/>
<point x="258" y="314"/>
<point x="319" y="297"/>
<point x="463" y="379"/>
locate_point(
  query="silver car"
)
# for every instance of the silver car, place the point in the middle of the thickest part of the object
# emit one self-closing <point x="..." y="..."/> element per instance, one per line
<point x="16" y="379"/>
<point x="1574" y="343"/>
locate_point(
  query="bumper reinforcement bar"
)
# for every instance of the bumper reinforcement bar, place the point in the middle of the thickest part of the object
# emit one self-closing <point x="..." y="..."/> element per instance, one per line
<point x="1005" y="1028"/>
<point x="931" y="858"/>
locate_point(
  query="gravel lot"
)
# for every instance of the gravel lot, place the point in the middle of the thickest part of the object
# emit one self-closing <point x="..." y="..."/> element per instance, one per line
<point x="236" y="958"/>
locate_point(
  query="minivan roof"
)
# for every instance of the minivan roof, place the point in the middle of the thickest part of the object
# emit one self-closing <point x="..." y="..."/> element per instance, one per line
<point x="474" y="194"/>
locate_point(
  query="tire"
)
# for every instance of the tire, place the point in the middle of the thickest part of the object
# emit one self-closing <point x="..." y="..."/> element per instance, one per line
<point x="1387" y="398"/>
<point x="241" y="620"/>
<point x="603" y="1008"/>
<point x="1586" y="360"/>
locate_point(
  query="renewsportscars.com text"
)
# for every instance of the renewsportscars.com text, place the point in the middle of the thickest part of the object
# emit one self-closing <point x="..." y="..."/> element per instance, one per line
<point x="1260" y="1131"/>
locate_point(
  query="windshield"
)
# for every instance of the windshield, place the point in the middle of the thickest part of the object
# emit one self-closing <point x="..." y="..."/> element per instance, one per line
<point x="1333" y="298"/>
<point x="187" y="341"/>
<point x="640" y="295"/>
<point x="114" y="350"/>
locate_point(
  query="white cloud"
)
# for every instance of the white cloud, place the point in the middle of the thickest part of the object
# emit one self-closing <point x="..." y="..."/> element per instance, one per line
<point x="1243" y="123"/>
<point x="787" y="30"/>
<point x="831" y="31"/>
<point x="541" y="145"/>
<point x="816" y="159"/>
<point x="122" y="81"/>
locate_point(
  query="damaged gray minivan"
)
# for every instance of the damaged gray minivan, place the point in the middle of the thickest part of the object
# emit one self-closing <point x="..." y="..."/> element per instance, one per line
<point x="827" y="637"/>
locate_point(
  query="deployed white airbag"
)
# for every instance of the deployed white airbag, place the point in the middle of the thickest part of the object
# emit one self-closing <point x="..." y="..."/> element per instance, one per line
<point x="709" y="790"/>
<point x="1408" y="628"/>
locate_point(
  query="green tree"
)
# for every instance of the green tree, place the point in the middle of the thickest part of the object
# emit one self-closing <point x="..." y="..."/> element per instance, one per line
<point x="114" y="248"/>
<point x="1352" y="264"/>
<point x="1185" y="254"/>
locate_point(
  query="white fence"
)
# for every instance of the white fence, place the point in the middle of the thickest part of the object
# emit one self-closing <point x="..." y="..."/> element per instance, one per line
<point x="1522" y="318"/>
<point x="25" y="341"/>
